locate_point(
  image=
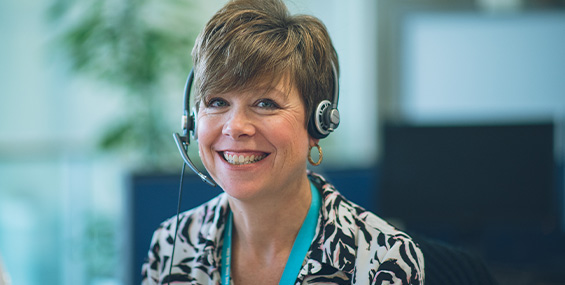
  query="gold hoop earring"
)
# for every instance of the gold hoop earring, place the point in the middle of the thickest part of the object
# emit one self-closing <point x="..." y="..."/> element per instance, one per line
<point x="320" y="155"/>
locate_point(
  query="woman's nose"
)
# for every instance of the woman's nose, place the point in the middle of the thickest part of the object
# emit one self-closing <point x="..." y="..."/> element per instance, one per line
<point x="238" y="125"/>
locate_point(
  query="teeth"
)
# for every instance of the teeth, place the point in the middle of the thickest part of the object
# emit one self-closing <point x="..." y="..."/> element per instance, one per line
<point x="240" y="159"/>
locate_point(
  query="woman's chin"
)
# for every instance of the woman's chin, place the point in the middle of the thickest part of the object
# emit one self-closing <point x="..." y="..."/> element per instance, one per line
<point x="244" y="191"/>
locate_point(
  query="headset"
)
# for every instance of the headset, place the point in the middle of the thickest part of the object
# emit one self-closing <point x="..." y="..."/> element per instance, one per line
<point x="323" y="121"/>
<point x="325" y="118"/>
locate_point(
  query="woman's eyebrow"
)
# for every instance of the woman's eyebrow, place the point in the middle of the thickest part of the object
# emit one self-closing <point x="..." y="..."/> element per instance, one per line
<point x="275" y="90"/>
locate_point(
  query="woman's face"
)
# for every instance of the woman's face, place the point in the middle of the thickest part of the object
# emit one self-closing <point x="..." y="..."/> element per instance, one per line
<point x="254" y="143"/>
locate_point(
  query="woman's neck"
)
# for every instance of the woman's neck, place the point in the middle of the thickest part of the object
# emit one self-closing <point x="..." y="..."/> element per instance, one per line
<point x="268" y="227"/>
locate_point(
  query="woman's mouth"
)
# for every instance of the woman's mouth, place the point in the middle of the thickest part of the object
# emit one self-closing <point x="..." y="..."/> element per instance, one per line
<point x="243" y="158"/>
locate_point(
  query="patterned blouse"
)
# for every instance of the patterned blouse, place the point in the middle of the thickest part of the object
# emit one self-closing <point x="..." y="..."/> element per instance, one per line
<point x="351" y="246"/>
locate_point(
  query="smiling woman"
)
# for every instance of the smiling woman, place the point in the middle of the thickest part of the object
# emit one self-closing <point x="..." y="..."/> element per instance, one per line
<point x="267" y="93"/>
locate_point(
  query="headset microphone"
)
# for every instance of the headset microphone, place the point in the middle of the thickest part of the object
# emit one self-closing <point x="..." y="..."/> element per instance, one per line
<point x="189" y="125"/>
<point x="181" y="146"/>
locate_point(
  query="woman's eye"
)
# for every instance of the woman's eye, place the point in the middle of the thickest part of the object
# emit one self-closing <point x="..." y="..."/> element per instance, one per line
<point x="267" y="104"/>
<point x="216" y="103"/>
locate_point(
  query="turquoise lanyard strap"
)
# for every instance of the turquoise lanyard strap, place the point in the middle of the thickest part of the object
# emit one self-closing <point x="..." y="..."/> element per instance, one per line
<point x="226" y="250"/>
<point x="299" y="249"/>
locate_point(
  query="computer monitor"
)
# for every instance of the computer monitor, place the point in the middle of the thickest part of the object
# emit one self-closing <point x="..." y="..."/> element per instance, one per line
<point x="465" y="179"/>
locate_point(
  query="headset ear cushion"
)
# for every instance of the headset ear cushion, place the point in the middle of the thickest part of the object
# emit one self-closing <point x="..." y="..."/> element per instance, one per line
<point x="318" y="126"/>
<point x="194" y="121"/>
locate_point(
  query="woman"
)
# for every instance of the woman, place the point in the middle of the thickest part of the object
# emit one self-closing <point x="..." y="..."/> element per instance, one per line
<point x="260" y="74"/>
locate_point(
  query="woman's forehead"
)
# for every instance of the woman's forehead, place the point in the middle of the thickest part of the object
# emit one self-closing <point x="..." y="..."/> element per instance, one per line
<point x="274" y="86"/>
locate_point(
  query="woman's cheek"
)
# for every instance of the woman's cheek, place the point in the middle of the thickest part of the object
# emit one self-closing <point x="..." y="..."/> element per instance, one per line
<point x="204" y="136"/>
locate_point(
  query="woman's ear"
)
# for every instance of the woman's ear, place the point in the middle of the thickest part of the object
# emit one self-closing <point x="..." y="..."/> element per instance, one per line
<point x="313" y="141"/>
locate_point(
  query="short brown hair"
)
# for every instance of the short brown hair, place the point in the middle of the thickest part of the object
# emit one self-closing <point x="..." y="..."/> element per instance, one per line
<point x="252" y="42"/>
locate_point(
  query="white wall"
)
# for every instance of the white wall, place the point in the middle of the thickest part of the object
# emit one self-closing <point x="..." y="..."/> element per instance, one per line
<point x="473" y="67"/>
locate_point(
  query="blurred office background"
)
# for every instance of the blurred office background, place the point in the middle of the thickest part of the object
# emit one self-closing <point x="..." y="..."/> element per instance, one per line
<point x="453" y="127"/>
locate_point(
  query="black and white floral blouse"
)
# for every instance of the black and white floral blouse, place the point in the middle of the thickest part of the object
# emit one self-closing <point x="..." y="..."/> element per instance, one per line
<point x="352" y="246"/>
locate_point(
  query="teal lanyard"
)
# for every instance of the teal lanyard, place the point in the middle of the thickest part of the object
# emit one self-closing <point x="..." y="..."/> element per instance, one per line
<point x="299" y="248"/>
